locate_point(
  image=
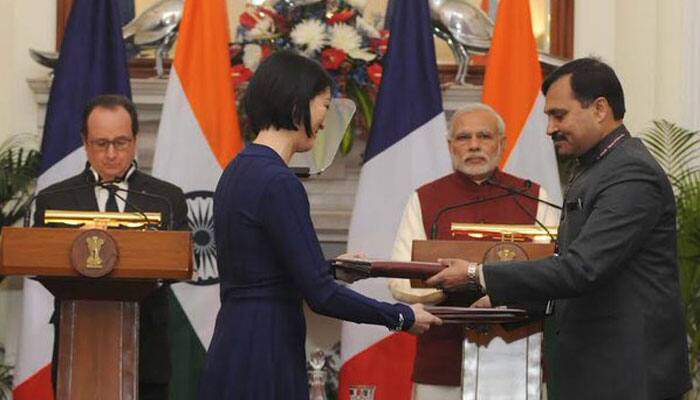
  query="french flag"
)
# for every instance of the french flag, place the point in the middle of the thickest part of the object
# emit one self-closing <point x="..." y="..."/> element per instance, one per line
<point x="92" y="62"/>
<point x="407" y="148"/>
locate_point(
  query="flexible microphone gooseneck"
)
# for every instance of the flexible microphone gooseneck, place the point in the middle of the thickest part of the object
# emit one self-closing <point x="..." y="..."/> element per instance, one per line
<point x="27" y="215"/>
<point x="111" y="186"/>
<point x="516" y="192"/>
<point x="113" y="189"/>
<point x="434" y="226"/>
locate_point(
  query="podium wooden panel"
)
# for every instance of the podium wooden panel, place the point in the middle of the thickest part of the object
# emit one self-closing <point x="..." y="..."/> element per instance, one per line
<point x="475" y="382"/>
<point x="99" y="319"/>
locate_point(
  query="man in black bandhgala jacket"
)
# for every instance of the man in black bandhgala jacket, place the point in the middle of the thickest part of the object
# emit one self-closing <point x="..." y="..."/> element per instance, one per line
<point x="615" y="284"/>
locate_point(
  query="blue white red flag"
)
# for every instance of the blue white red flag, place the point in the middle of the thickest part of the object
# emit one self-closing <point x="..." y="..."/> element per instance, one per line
<point x="92" y="62"/>
<point x="407" y="148"/>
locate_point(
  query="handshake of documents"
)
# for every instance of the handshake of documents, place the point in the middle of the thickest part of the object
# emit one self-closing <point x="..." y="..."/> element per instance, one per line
<point x="363" y="268"/>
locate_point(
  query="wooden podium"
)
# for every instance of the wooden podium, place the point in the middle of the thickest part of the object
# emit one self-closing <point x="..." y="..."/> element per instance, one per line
<point x="99" y="335"/>
<point x="517" y="373"/>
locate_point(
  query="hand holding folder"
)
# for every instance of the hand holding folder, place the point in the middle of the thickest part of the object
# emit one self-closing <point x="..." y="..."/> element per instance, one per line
<point x="389" y="269"/>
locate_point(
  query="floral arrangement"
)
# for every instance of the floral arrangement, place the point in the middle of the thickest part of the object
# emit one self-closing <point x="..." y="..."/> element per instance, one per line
<point x="333" y="32"/>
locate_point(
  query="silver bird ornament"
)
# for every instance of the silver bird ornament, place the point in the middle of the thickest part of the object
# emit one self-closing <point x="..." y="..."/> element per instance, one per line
<point x="156" y="28"/>
<point x="467" y="30"/>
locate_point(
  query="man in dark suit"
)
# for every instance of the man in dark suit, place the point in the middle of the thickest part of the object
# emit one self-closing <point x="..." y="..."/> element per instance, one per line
<point x="615" y="284"/>
<point x="109" y="132"/>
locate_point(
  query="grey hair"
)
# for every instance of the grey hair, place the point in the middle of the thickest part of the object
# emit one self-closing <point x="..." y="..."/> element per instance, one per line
<point x="471" y="107"/>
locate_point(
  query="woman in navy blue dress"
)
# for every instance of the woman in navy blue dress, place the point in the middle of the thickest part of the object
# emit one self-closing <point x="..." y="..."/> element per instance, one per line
<point x="268" y="255"/>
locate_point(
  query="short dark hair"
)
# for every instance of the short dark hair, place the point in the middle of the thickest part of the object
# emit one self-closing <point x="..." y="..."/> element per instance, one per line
<point x="110" y="102"/>
<point x="279" y="93"/>
<point x="591" y="79"/>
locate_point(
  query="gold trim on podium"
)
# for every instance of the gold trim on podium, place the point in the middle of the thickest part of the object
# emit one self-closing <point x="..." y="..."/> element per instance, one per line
<point x="503" y="232"/>
<point x="99" y="219"/>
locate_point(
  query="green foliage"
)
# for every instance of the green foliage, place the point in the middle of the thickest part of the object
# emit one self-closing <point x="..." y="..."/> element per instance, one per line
<point x="676" y="149"/>
<point x="19" y="166"/>
<point x="5" y="382"/>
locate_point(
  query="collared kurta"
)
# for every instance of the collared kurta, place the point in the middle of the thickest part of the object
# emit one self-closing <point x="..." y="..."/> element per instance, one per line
<point x="439" y="353"/>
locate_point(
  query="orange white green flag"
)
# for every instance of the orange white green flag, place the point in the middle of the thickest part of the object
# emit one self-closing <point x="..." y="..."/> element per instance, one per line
<point x="198" y="136"/>
<point x="512" y="87"/>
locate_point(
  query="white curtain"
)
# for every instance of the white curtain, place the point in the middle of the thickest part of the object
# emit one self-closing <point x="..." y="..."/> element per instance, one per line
<point x="691" y="65"/>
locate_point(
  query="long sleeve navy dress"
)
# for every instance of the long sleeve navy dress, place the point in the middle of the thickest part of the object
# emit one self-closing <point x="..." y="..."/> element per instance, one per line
<point x="269" y="261"/>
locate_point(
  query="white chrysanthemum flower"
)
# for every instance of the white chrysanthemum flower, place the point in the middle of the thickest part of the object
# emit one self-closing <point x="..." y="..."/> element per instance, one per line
<point x="357" y="4"/>
<point x="252" y="53"/>
<point x="345" y="37"/>
<point x="365" y="26"/>
<point x="263" y="29"/>
<point x="310" y="35"/>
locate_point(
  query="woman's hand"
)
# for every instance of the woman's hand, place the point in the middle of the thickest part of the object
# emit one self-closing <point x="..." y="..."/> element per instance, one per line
<point x="352" y="256"/>
<point x="347" y="275"/>
<point x="424" y="320"/>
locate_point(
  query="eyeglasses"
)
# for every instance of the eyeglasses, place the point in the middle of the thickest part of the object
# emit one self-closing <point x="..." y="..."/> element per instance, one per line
<point x="120" y="144"/>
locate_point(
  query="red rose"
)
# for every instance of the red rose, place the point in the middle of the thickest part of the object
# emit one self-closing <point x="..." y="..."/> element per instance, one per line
<point x="374" y="71"/>
<point x="341" y="16"/>
<point x="266" y="51"/>
<point x="240" y="73"/>
<point x="332" y="58"/>
<point x="382" y="43"/>
<point x="247" y="20"/>
<point x="279" y="20"/>
<point x="235" y="50"/>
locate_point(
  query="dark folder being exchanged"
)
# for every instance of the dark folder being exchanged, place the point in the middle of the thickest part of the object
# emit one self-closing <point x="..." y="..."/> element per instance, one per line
<point x="422" y="271"/>
<point x="390" y="269"/>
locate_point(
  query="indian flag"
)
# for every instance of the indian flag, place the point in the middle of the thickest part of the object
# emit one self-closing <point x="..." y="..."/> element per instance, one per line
<point x="197" y="137"/>
<point x="512" y="87"/>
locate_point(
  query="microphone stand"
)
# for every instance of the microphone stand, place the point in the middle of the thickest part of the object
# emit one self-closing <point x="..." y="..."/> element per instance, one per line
<point x="111" y="186"/>
<point x="434" y="226"/>
<point x="113" y="189"/>
<point x="522" y="193"/>
<point x="27" y="215"/>
<point x="528" y="196"/>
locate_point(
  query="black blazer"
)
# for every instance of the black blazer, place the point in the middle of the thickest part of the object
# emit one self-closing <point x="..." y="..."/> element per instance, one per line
<point x="77" y="193"/>
<point x="620" y="327"/>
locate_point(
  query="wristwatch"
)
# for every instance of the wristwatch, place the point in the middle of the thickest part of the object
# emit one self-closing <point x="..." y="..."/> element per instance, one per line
<point x="473" y="282"/>
<point x="399" y="326"/>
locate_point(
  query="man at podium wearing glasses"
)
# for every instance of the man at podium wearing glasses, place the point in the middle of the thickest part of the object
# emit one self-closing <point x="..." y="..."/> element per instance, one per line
<point x="476" y="139"/>
<point x="111" y="181"/>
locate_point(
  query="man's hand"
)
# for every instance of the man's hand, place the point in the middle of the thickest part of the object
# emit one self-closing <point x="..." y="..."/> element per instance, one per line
<point x="453" y="277"/>
<point x="424" y="319"/>
<point x="483" y="302"/>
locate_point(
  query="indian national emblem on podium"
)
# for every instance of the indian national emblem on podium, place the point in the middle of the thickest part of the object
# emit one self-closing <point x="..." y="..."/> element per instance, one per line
<point x="94" y="244"/>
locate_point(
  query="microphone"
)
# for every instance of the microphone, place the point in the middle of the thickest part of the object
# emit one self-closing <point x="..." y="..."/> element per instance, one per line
<point x="25" y="222"/>
<point x="528" y="185"/>
<point x="523" y="193"/>
<point x="111" y="186"/>
<point x="434" y="226"/>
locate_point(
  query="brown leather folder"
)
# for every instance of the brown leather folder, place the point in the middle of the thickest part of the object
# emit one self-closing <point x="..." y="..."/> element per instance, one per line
<point x="391" y="269"/>
<point x="476" y="316"/>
